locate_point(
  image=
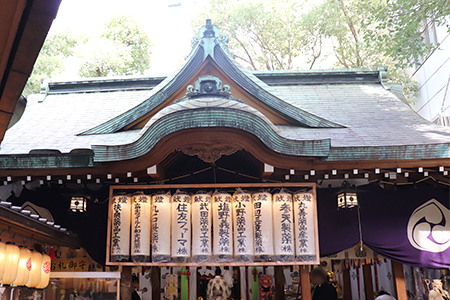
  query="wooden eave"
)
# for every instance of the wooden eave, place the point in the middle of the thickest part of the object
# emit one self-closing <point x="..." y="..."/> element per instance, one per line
<point x="247" y="141"/>
<point x="17" y="223"/>
<point x="23" y="28"/>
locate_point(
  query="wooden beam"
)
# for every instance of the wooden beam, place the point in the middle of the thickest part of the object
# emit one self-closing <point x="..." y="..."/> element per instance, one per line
<point x="347" y="288"/>
<point x="125" y="284"/>
<point x="305" y="283"/>
<point x="28" y="26"/>
<point x="247" y="141"/>
<point x="399" y="281"/>
<point x="10" y="16"/>
<point x="15" y="222"/>
<point x="368" y="283"/>
<point x="279" y="282"/>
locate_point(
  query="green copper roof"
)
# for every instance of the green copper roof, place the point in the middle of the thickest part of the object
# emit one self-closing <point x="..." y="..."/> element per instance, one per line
<point x="211" y="44"/>
<point x="336" y="115"/>
<point x="210" y="113"/>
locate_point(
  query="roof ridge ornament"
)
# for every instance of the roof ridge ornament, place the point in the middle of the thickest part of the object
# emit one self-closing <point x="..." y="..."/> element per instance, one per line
<point x="208" y="86"/>
<point x="208" y="37"/>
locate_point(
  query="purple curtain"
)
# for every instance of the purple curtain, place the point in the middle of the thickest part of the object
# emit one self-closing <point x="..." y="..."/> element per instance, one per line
<point x="410" y="224"/>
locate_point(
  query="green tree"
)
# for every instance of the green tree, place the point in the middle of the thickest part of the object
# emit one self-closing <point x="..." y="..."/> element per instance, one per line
<point x="401" y="26"/>
<point x="273" y="34"/>
<point x="51" y="60"/>
<point x="122" y="49"/>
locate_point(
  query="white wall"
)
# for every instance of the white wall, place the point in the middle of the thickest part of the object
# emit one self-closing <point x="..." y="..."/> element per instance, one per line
<point x="433" y="76"/>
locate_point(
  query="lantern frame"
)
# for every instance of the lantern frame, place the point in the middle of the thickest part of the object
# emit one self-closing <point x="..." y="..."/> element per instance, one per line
<point x="347" y="197"/>
<point x="78" y="204"/>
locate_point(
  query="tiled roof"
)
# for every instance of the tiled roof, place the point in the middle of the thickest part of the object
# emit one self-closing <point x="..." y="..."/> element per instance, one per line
<point x="335" y="114"/>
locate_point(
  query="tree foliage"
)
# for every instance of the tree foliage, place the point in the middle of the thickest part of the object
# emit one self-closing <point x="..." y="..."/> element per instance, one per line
<point x="275" y="34"/>
<point x="401" y="26"/>
<point x="51" y="60"/>
<point x="123" y="48"/>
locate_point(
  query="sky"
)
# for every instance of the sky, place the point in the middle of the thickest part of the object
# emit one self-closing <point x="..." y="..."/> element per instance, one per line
<point x="167" y="22"/>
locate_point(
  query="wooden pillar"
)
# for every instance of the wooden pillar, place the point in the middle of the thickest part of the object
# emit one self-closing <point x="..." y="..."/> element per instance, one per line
<point x="399" y="281"/>
<point x="125" y="283"/>
<point x="305" y="283"/>
<point x="347" y="288"/>
<point x="368" y="282"/>
<point x="279" y="282"/>
<point x="156" y="283"/>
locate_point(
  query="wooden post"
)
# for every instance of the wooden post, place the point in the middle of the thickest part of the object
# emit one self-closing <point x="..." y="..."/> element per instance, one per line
<point x="156" y="282"/>
<point x="368" y="283"/>
<point x="347" y="288"/>
<point x="305" y="283"/>
<point x="279" y="282"/>
<point x="399" y="281"/>
<point x="125" y="284"/>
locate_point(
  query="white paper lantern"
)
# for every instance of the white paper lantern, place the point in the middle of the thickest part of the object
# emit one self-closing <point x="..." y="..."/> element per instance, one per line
<point x="305" y="247"/>
<point x="121" y="225"/>
<point x="161" y="222"/>
<point x="2" y="259"/>
<point x="24" y="267"/>
<point x="201" y="227"/>
<point x="140" y="227"/>
<point x="243" y="226"/>
<point x="45" y="272"/>
<point x="35" y="272"/>
<point x="11" y="262"/>
<point x="181" y="226"/>
<point x="263" y="225"/>
<point x="222" y="227"/>
<point x="283" y="225"/>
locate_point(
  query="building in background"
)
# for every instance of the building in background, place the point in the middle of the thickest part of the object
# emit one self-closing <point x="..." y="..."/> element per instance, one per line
<point x="432" y="100"/>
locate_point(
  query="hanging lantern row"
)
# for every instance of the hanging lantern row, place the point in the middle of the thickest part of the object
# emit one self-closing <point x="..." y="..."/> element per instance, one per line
<point x="213" y="227"/>
<point x="22" y="267"/>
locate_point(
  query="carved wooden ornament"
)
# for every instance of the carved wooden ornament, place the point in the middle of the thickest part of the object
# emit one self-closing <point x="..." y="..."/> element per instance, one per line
<point x="211" y="152"/>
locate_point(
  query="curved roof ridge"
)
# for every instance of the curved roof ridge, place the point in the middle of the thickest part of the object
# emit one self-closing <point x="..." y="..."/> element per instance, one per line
<point x="199" y="114"/>
<point x="211" y="44"/>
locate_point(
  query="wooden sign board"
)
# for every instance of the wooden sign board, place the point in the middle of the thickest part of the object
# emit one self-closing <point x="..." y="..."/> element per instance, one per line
<point x="70" y="264"/>
<point x="129" y="189"/>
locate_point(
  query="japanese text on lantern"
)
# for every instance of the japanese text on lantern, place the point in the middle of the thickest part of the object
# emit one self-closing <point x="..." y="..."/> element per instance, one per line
<point x="222" y="225"/>
<point x="201" y="226"/>
<point x="304" y="218"/>
<point x="181" y="225"/>
<point x="243" y="227"/>
<point x="141" y="227"/>
<point x="283" y="224"/>
<point x="120" y="239"/>
<point x="161" y="227"/>
<point x="262" y="212"/>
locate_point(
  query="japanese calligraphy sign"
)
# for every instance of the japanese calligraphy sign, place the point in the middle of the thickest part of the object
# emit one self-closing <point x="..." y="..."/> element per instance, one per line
<point x="181" y="225"/>
<point x="243" y="225"/>
<point x="223" y="228"/>
<point x="196" y="225"/>
<point x="70" y="264"/>
<point x="120" y="235"/>
<point x="263" y="223"/>
<point x="201" y="226"/>
<point x="304" y="216"/>
<point x="161" y="213"/>
<point x="140" y="227"/>
<point x="283" y="219"/>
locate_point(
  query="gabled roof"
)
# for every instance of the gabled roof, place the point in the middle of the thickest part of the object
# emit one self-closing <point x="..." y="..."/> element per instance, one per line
<point x="332" y="115"/>
<point x="212" y="45"/>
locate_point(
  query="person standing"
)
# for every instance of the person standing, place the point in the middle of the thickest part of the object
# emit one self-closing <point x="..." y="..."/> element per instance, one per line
<point x="322" y="289"/>
<point x="134" y="287"/>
